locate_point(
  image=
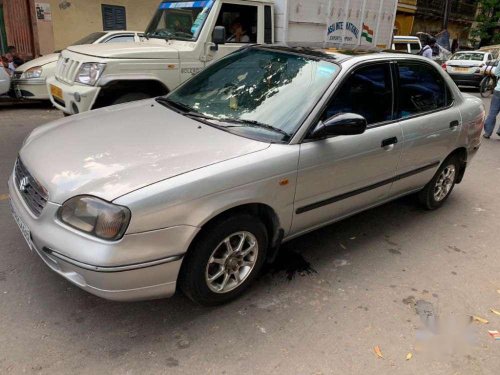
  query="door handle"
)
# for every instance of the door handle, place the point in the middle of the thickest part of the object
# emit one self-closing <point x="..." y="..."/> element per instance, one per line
<point x="454" y="124"/>
<point x="389" y="141"/>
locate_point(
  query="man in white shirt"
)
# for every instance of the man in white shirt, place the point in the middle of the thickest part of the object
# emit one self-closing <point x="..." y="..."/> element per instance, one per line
<point x="427" y="50"/>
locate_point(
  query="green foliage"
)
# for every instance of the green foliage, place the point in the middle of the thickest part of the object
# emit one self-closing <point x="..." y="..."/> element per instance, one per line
<point x="487" y="19"/>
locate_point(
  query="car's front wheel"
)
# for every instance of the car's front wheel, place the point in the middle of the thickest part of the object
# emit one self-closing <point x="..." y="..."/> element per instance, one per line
<point x="224" y="260"/>
<point x="437" y="191"/>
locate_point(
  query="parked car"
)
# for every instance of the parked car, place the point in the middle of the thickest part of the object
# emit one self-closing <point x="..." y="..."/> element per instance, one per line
<point x="467" y="68"/>
<point x="4" y="80"/>
<point x="409" y="44"/>
<point x="199" y="188"/>
<point x="30" y="79"/>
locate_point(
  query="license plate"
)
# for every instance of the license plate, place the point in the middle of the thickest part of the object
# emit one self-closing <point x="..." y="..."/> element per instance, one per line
<point x="56" y="92"/>
<point x="462" y="70"/>
<point x="25" y="231"/>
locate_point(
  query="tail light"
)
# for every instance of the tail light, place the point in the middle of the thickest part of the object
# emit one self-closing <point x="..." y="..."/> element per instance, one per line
<point x="444" y="66"/>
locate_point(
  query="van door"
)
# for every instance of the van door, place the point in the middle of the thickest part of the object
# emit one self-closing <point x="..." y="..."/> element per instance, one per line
<point x="241" y="21"/>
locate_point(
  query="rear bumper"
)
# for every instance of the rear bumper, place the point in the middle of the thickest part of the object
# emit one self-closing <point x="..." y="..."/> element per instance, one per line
<point x="75" y="98"/>
<point x="467" y="79"/>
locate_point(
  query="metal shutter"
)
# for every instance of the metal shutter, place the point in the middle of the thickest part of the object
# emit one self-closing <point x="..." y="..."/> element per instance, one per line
<point x="114" y="17"/>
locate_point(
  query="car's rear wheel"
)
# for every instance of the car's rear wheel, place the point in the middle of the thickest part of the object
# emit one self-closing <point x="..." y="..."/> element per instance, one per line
<point x="437" y="191"/>
<point x="224" y="260"/>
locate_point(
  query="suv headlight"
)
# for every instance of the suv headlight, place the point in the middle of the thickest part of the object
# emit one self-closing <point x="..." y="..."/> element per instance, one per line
<point x="34" y="72"/>
<point x="90" y="73"/>
<point x="96" y="217"/>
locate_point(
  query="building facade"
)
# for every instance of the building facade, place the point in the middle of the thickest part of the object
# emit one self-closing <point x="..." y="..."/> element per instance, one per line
<point x="405" y="17"/>
<point x="427" y="16"/>
<point x="38" y="27"/>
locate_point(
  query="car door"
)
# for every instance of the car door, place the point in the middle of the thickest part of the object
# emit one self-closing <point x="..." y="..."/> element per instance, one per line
<point x="430" y="122"/>
<point x="341" y="175"/>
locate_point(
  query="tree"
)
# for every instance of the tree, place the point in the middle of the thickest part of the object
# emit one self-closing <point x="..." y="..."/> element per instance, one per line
<point x="487" y="23"/>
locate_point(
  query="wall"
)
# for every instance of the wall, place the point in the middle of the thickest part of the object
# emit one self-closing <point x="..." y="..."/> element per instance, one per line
<point x="83" y="17"/>
<point x="457" y="30"/>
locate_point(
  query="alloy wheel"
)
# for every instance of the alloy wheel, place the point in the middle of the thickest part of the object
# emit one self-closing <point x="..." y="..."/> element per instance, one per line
<point x="444" y="183"/>
<point x="231" y="262"/>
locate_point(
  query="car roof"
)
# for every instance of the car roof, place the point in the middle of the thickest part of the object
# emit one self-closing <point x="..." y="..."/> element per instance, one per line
<point x="335" y="54"/>
<point x="481" y="52"/>
<point x="113" y="32"/>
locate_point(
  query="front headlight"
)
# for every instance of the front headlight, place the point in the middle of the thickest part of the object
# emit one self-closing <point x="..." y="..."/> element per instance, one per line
<point x="90" y="73"/>
<point x="96" y="217"/>
<point x="34" y="72"/>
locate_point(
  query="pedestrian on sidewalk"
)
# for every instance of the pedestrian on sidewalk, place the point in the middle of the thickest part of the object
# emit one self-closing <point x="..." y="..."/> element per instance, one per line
<point x="491" y="120"/>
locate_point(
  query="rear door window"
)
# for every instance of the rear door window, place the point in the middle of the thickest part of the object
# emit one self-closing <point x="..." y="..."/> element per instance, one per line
<point x="421" y="89"/>
<point x="367" y="92"/>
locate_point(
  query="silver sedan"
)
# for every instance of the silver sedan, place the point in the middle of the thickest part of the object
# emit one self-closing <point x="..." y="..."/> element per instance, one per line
<point x="198" y="189"/>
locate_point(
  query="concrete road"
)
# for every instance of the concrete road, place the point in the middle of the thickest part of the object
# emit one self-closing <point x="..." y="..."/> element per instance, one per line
<point x="396" y="277"/>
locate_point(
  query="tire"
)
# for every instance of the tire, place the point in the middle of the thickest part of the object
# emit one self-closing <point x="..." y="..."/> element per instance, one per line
<point x="131" y="97"/>
<point x="487" y="86"/>
<point x="208" y="257"/>
<point x="437" y="191"/>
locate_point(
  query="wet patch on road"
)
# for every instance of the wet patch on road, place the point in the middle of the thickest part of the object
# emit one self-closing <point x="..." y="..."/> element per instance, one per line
<point x="292" y="264"/>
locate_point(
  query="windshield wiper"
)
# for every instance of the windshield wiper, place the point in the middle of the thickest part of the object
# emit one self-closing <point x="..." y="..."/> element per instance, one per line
<point x="186" y="110"/>
<point x="254" y="124"/>
<point x="191" y="112"/>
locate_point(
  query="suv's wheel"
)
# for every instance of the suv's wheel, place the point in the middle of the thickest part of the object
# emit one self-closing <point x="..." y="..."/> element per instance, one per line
<point x="437" y="191"/>
<point x="131" y="97"/>
<point x="225" y="260"/>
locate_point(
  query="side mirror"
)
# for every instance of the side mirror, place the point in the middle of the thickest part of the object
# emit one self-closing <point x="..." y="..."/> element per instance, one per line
<point x="218" y="37"/>
<point x="341" y="124"/>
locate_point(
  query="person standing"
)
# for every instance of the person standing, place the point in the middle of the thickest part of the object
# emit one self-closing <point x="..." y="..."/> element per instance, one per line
<point x="426" y="51"/>
<point x="491" y="120"/>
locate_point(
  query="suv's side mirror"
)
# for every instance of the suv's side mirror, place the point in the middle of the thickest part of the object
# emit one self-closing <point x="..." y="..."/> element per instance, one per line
<point x="218" y="37"/>
<point x="341" y="124"/>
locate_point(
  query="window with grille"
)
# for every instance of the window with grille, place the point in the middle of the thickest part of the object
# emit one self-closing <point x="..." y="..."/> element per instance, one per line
<point x="114" y="17"/>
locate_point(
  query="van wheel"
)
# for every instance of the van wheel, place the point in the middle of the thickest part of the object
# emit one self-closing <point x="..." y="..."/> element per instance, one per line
<point x="225" y="260"/>
<point x="131" y="97"/>
<point x="437" y="191"/>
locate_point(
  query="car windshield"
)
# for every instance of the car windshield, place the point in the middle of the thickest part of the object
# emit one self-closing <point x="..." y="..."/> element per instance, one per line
<point x="182" y="20"/>
<point x="89" y="39"/>
<point x="259" y="93"/>
<point x="469" y="56"/>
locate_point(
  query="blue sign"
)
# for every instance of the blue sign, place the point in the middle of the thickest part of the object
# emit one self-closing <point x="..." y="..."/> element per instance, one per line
<point x="187" y="4"/>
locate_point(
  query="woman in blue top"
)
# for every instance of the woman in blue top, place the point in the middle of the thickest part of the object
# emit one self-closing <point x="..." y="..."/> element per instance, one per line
<point x="491" y="120"/>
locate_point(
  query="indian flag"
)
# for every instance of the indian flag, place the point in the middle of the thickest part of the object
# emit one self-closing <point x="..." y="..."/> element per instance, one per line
<point x="367" y="33"/>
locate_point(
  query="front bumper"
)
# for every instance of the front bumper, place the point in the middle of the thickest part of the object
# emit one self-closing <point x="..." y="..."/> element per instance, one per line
<point x="33" y="89"/>
<point x="138" y="267"/>
<point x="75" y="99"/>
<point x="467" y="79"/>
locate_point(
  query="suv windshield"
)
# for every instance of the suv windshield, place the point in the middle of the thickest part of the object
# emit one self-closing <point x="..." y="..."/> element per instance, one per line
<point x="180" y="20"/>
<point x="259" y="93"/>
<point x="469" y="56"/>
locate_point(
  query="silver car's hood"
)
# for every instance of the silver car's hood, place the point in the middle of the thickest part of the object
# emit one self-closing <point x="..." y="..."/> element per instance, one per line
<point x="116" y="150"/>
